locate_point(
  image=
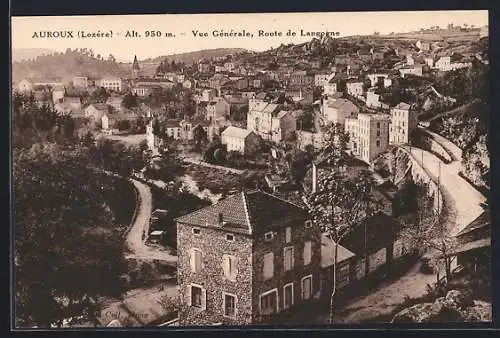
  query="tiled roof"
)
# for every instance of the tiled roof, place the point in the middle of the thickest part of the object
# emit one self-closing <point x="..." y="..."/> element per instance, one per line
<point x="481" y="221"/>
<point x="172" y="124"/>
<point x="100" y="106"/>
<point x="328" y="252"/>
<point x="236" y="132"/>
<point x="402" y="105"/>
<point x="248" y="212"/>
<point x="341" y="104"/>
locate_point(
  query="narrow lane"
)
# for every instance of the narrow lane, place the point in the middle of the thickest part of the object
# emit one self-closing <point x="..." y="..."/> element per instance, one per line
<point x="135" y="241"/>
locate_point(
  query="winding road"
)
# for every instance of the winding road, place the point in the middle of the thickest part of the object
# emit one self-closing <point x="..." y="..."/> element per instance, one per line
<point x="461" y="207"/>
<point x="134" y="241"/>
<point x="462" y="200"/>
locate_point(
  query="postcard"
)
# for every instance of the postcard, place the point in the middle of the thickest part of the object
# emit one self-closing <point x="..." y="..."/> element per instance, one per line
<point x="284" y="169"/>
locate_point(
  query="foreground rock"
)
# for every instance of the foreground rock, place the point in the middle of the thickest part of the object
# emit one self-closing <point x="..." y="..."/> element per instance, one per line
<point x="457" y="306"/>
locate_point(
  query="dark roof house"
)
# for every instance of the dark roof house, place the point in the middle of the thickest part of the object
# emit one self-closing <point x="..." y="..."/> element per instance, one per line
<point x="248" y="212"/>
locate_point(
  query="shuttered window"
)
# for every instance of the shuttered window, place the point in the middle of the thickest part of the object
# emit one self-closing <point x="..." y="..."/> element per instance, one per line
<point x="288" y="258"/>
<point x="230" y="267"/>
<point x="307" y="252"/>
<point x="268" y="269"/>
<point x="288" y="234"/>
<point x="196" y="260"/>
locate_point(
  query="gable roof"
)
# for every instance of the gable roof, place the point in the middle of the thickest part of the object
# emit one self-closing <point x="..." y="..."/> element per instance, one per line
<point x="402" y="105"/>
<point x="481" y="221"/>
<point x="247" y="212"/>
<point x="328" y="252"/>
<point x="236" y="132"/>
<point x="99" y="106"/>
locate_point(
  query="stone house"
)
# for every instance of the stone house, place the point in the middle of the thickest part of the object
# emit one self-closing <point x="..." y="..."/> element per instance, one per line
<point x="241" y="140"/>
<point x="354" y="87"/>
<point x="245" y="260"/>
<point x="337" y="110"/>
<point x="282" y="124"/>
<point x="95" y="111"/>
<point x="80" y="81"/>
<point x="218" y="109"/>
<point x="111" y="83"/>
<point x="25" y="85"/>
<point x="403" y="122"/>
<point x="115" y="102"/>
<point x="373" y="135"/>
<point x="58" y="94"/>
<point x="260" y="118"/>
<point x="415" y="70"/>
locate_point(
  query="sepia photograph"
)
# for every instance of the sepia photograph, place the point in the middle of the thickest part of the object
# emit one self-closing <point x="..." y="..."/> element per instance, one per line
<point x="281" y="169"/>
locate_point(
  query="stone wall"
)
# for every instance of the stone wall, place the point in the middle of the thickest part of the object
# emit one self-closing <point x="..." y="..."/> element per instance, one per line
<point x="213" y="244"/>
<point x="300" y="234"/>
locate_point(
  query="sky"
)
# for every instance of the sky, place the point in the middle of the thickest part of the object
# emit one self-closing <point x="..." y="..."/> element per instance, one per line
<point x="182" y="27"/>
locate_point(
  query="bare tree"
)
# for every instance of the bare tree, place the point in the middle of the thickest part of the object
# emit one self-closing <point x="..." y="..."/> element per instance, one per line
<point x="428" y="233"/>
<point x="339" y="204"/>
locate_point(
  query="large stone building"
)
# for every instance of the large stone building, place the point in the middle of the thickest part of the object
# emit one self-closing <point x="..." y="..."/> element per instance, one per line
<point x="111" y="83"/>
<point x="260" y="118"/>
<point x="368" y="135"/>
<point x="403" y="122"/>
<point x="245" y="260"/>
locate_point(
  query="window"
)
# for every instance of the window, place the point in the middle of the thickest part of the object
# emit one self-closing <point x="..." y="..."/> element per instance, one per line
<point x="230" y="267"/>
<point x="308" y="224"/>
<point x="269" y="236"/>
<point x="229" y="304"/>
<point x="268" y="269"/>
<point x="343" y="276"/>
<point x="197" y="296"/>
<point x="378" y="132"/>
<point x="306" y="286"/>
<point x="269" y="302"/>
<point x="196" y="260"/>
<point x="307" y="252"/>
<point x="288" y="258"/>
<point x="287" y="296"/>
<point x="288" y="234"/>
<point x="230" y="237"/>
<point x="378" y="143"/>
<point x="378" y="125"/>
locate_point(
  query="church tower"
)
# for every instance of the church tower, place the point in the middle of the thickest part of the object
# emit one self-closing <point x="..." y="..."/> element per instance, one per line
<point x="135" y="68"/>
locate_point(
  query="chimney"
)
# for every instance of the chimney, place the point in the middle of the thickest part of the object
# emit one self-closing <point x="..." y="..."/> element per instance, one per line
<point x="221" y="219"/>
<point x="314" y="177"/>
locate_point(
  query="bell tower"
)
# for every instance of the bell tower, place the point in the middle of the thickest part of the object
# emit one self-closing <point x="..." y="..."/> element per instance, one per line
<point x="135" y="68"/>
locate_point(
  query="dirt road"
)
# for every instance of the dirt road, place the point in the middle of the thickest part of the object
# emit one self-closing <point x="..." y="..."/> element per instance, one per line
<point x="135" y="241"/>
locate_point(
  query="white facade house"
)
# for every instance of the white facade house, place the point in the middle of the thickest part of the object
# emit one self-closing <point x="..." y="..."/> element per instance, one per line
<point x="240" y="140"/>
<point x="355" y="88"/>
<point x="403" y="123"/>
<point x="111" y="83"/>
<point x="373" y="135"/>
<point x="337" y="110"/>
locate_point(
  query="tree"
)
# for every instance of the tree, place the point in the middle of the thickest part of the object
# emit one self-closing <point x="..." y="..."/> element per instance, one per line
<point x="199" y="138"/>
<point x="427" y="232"/>
<point x="339" y="204"/>
<point x="100" y="95"/>
<point x="129" y="101"/>
<point x="66" y="252"/>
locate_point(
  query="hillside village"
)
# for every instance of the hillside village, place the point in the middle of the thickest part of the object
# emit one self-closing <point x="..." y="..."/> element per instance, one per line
<point x="257" y="135"/>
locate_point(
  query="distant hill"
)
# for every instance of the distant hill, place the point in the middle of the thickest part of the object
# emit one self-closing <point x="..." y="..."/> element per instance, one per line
<point x="191" y="57"/>
<point x="68" y="64"/>
<point x="20" y="54"/>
